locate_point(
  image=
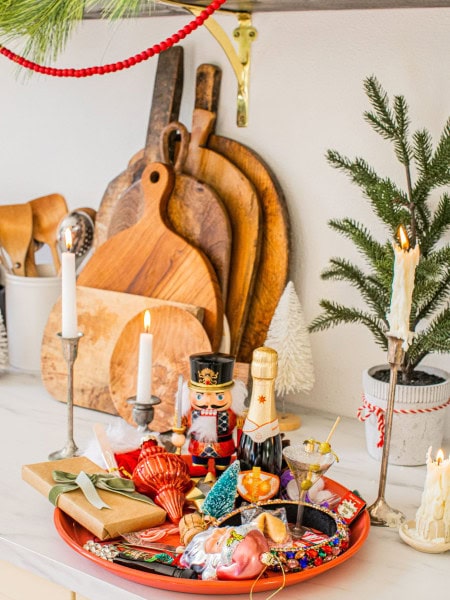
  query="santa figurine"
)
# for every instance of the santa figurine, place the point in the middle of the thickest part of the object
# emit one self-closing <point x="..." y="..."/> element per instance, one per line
<point x="211" y="403"/>
<point x="228" y="553"/>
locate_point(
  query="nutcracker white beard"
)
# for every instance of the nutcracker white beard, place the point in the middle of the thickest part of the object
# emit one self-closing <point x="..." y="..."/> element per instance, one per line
<point x="205" y="428"/>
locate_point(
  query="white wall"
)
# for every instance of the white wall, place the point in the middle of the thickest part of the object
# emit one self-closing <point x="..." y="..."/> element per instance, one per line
<point x="73" y="136"/>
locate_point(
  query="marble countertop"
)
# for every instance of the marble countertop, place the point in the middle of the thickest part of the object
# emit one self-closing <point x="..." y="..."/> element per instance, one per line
<point x="32" y="425"/>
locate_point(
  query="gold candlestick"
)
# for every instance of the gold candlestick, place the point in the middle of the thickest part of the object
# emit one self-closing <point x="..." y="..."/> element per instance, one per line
<point x="381" y="514"/>
<point x="70" y="353"/>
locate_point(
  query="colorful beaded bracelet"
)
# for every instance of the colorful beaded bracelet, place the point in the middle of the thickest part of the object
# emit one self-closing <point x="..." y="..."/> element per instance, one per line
<point x="301" y="555"/>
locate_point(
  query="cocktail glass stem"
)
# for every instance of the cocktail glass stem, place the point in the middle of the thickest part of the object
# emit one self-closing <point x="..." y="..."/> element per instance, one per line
<point x="298" y="530"/>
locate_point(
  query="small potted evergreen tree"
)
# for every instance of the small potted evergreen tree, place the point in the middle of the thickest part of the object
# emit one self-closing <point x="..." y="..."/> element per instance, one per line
<point x="427" y="170"/>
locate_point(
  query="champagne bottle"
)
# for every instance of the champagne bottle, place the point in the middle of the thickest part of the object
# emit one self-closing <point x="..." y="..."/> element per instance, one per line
<point x="260" y="442"/>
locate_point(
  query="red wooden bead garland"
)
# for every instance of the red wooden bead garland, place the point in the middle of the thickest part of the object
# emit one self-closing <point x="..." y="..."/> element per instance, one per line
<point x="122" y="64"/>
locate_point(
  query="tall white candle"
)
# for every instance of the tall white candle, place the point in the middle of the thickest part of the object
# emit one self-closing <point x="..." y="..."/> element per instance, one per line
<point x="144" y="383"/>
<point x="405" y="263"/>
<point x="69" y="290"/>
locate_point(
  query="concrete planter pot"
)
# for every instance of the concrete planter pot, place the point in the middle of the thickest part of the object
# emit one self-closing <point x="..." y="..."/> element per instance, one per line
<point x="418" y="421"/>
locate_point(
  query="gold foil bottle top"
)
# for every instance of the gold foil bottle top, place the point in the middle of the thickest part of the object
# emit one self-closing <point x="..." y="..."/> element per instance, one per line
<point x="264" y="363"/>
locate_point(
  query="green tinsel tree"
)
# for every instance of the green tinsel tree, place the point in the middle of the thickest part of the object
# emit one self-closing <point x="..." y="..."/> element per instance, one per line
<point x="220" y="500"/>
<point x="412" y="207"/>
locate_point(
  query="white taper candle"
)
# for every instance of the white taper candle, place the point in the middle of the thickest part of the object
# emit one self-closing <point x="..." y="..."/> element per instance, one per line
<point x="69" y="290"/>
<point x="144" y="382"/>
<point x="405" y="263"/>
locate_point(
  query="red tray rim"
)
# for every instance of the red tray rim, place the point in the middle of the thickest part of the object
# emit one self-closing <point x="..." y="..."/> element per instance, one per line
<point x="75" y="535"/>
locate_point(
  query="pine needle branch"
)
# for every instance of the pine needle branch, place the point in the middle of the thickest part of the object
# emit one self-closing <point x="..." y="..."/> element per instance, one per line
<point x="434" y="339"/>
<point x="336" y="314"/>
<point x="412" y="208"/>
<point x="375" y="295"/>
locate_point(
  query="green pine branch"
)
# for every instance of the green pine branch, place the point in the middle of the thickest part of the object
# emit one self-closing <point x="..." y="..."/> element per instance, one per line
<point x="438" y="226"/>
<point x="434" y="339"/>
<point x="433" y="286"/>
<point x="377" y="256"/>
<point x="370" y="289"/>
<point x="389" y="202"/>
<point x="393" y="124"/>
<point x="337" y="314"/>
<point x="427" y="223"/>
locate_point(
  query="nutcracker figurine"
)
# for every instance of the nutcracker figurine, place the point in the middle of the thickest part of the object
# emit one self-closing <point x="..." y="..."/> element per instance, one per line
<point x="211" y="403"/>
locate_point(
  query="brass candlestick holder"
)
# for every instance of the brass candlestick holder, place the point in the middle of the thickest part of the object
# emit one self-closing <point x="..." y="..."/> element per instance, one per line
<point x="143" y="413"/>
<point x="381" y="514"/>
<point x="178" y="438"/>
<point x="70" y="353"/>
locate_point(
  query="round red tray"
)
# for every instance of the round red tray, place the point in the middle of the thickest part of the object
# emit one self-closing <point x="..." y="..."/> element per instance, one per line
<point x="75" y="535"/>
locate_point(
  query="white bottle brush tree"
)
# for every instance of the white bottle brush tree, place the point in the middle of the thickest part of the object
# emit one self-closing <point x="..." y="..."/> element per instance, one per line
<point x="4" y="361"/>
<point x="288" y="335"/>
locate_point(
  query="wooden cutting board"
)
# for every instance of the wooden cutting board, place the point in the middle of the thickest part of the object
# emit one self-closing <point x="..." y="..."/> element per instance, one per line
<point x="272" y="273"/>
<point x="176" y="335"/>
<point x="240" y="199"/>
<point x="194" y="210"/>
<point x="149" y="259"/>
<point x="102" y="315"/>
<point x="165" y="108"/>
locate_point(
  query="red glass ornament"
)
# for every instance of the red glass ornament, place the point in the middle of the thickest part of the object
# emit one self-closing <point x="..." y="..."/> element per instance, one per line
<point x="165" y="478"/>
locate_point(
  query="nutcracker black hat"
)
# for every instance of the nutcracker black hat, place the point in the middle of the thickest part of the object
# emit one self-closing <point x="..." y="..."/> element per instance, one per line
<point x="211" y="371"/>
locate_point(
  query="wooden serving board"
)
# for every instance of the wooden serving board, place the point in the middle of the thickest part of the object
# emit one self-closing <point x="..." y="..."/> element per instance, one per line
<point x="102" y="315"/>
<point x="176" y="335"/>
<point x="165" y="108"/>
<point x="149" y="259"/>
<point x="194" y="210"/>
<point x="240" y="199"/>
<point x="273" y="267"/>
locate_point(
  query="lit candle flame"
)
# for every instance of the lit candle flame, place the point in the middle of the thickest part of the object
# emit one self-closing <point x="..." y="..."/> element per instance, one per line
<point x="68" y="238"/>
<point x="404" y="240"/>
<point x="439" y="457"/>
<point x="147" y="321"/>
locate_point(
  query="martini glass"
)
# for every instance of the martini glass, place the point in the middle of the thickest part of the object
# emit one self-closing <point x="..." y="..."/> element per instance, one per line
<point x="307" y="465"/>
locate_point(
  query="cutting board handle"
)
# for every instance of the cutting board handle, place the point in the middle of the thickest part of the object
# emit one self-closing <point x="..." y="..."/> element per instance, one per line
<point x="182" y="148"/>
<point x="207" y="89"/>
<point x="157" y="183"/>
<point x="166" y="102"/>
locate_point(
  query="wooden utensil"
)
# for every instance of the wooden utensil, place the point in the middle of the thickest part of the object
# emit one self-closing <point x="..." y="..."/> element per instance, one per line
<point x="47" y="213"/>
<point x="176" y="335"/>
<point x="240" y="199"/>
<point x="150" y="259"/>
<point x="195" y="211"/>
<point x="165" y="108"/>
<point x="16" y="230"/>
<point x="102" y="315"/>
<point x="89" y="211"/>
<point x="273" y="265"/>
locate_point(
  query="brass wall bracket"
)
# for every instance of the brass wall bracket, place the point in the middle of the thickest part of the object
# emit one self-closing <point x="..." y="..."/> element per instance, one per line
<point x="244" y="35"/>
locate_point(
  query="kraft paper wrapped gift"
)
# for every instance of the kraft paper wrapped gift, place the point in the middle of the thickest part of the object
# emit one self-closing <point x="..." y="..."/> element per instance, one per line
<point x="124" y="516"/>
